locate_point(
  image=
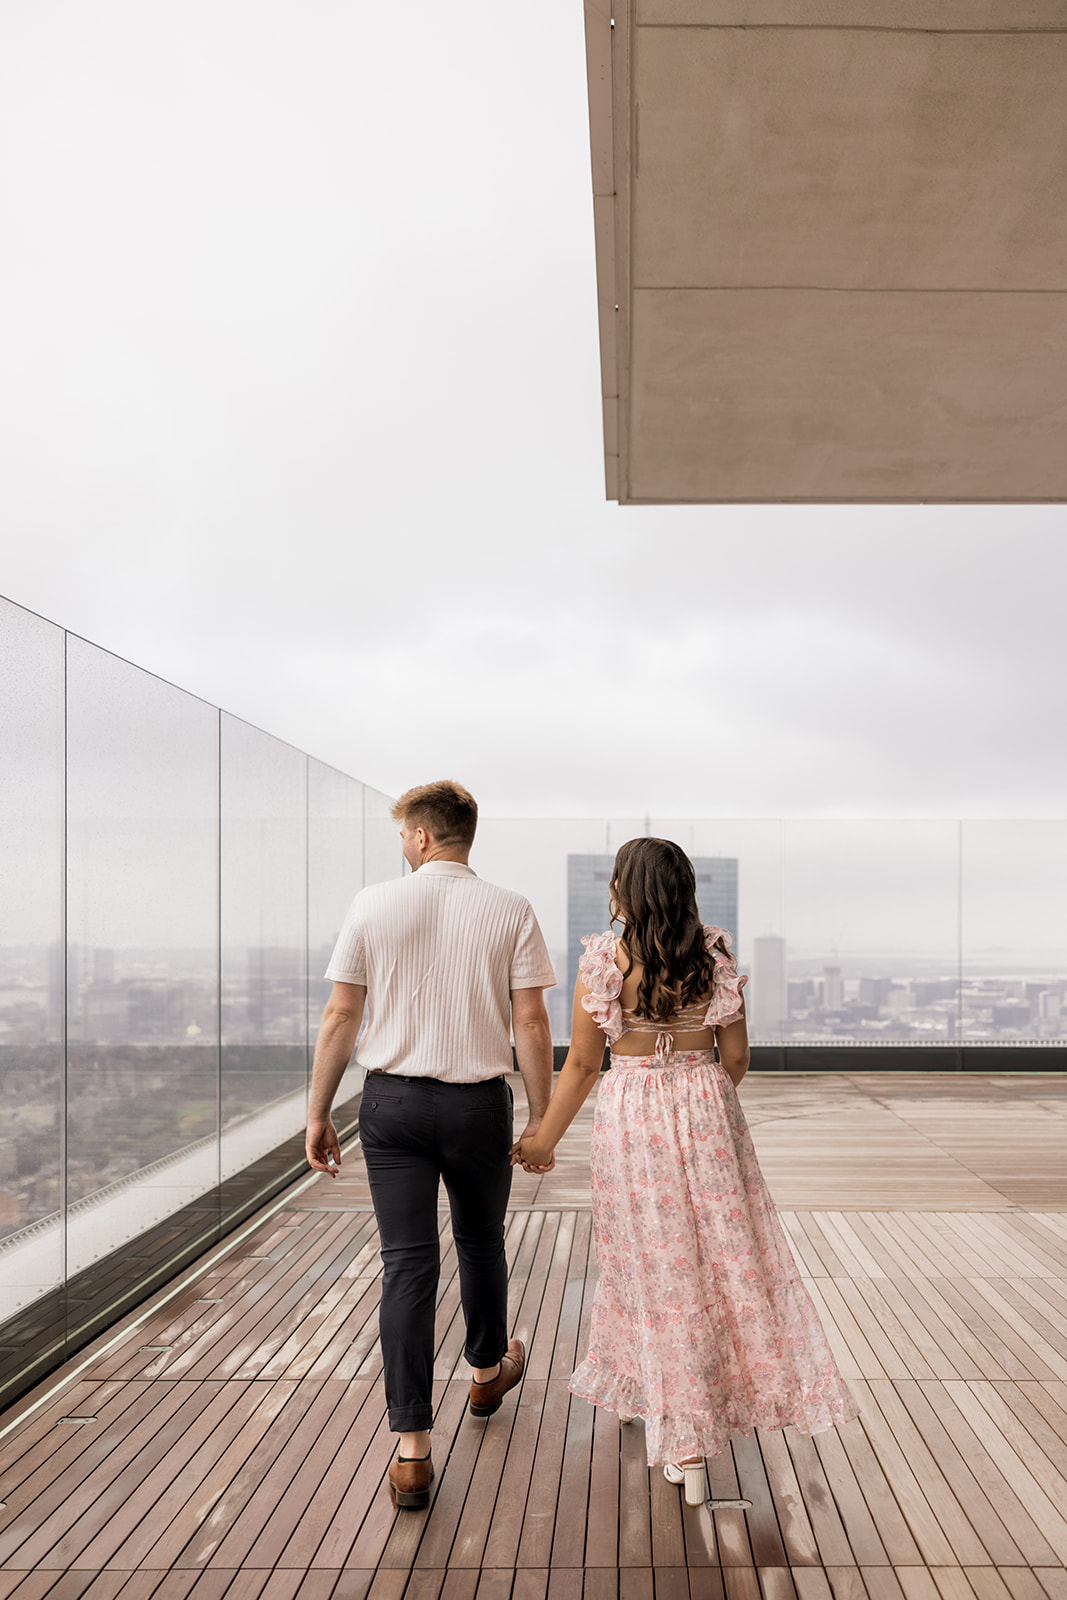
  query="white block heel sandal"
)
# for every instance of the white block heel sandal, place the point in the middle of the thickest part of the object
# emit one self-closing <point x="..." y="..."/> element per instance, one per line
<point x="693" y="1475"/>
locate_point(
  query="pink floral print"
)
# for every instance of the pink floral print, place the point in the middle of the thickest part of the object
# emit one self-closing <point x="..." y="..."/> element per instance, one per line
<point x="701" y="1323"/>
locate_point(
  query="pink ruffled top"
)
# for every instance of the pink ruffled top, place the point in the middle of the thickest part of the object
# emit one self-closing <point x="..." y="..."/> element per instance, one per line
<point x="600" y="973"/>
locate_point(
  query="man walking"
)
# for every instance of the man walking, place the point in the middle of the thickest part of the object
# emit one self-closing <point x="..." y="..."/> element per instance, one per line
<point x="446" y="962"/>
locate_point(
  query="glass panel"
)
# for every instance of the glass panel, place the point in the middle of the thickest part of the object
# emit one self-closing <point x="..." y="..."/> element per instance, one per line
<point x="563" y="866"/>
<point x="264" y="944"/>
<point x="1014" y="936"/>
<point x="335" y="877"/>
<point x="382" y="855"/>
<point x="31" y="957"/>
<point x="142" y="980"/>
<point x="739" y="888"/>
<point x="532" y="856"/>
<point x="871" y="919"/>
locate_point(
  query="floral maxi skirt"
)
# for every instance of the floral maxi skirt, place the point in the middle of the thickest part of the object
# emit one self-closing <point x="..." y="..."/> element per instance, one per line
<point x="701" y="1323"/>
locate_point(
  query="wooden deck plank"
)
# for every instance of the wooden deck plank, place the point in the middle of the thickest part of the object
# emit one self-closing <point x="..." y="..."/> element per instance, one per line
<point x="731" y="1526"/>
<point x="568" y="1542"/>
<point x="859" y="1525"/>
<point x="1022" y="1463"/>
<point x="249" y="1347"/>
<point x="741" y="1583"/>
<point x="948" y="1344"/>
<point x="472" y="1532"/>
<point x="665" y="1521"/>
<point x="599" y="1583"/>
<point x="131" y="1532"/>
<point x="855" y="1356"/>
<point x="1009" y="1508"/>
<point x="842" y="1227"/>
<point x="1022" y="1583"/>
<point x="358" y="1530"/>
<point x="635" y="1509"/>
<point x="505" y="1527"/>
<point x="238" y="1328"/>
<point x="602" y="1537"/>
<point x="1039" y="1307"/>
<point x="981" y="1509"/>
<point x="765" y="1536"/>
<point x="705" y="1583"/>
<point x="44" y="1452"/>
<point x="882" y="1583"/>
<point x="89" y="1490"/>
<point x="826" y="1524"/>
<point x="405" y="1534"/>
<point x="914" y="1477"/>
<point x="235" y="1518"/>
<point x="894" y="1349"/>
<point x="892" y="1526"/>
<point x="701" y="1543"/>
<point x="798" y="1536"/>
<point x="776" y="1583"/>
<point x="538" y="1522"/>
<point x="340" y="1351"/>
<point x="951" y="1315"/>
<point x="346" y="1417"/>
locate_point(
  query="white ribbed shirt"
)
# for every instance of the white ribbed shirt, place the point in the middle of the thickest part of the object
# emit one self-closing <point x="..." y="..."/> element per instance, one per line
<point x="439" y="953"/>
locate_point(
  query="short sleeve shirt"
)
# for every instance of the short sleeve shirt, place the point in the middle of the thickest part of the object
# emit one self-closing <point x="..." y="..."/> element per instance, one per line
<point x="439" y="953"/>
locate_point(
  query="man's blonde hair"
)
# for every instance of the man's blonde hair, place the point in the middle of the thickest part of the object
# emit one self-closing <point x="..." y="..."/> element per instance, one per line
<point x="445" y="809"/>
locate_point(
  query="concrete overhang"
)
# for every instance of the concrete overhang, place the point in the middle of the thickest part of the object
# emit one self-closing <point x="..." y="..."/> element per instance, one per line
<point x="831" y="242"/>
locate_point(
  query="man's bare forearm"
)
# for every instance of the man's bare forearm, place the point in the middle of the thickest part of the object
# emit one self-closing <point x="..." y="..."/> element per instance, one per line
<point x="338" y="1032"/>
<point x="533" y="1052"/>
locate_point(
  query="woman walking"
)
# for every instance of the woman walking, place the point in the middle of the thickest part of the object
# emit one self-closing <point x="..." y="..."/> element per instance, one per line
<point x="701" y="1324"/>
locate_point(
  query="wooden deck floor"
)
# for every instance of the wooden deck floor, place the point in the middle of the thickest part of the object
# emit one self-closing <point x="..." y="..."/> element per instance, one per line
<point x="229" y="1440"/>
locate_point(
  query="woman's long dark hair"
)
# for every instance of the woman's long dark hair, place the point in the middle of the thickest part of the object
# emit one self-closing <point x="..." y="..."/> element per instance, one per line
<point x="655" y="888"/>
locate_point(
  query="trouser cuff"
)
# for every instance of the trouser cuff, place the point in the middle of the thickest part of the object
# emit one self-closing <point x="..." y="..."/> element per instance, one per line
<point x="479" y="1358"/>
<point x="410" y="1419"/>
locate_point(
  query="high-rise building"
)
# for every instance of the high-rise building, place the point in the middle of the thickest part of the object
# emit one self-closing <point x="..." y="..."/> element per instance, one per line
<point x="588" y="909"/>
<point x="766" y="1000"/>
<point x="833" y="990"/>
<point x="589" y="893"/>
<point x="874" y="991"/>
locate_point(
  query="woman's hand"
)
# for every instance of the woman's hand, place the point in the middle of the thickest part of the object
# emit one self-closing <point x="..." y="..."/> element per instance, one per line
<point x="532" y="1156"/>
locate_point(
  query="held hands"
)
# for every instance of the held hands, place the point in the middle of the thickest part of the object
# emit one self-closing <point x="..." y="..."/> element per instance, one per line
<point x="531" y="1155"/>
<point x="321" y="1146"/>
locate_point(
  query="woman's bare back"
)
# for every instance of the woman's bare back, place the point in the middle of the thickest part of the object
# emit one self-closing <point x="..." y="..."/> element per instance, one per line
<point x="635" y="1041"/>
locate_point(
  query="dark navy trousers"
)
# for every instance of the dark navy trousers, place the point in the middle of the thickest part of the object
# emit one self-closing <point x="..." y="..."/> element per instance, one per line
<point x="415" y="1132"/>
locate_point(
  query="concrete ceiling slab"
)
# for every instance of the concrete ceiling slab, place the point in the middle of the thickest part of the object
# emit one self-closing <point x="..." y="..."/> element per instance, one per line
<point x="800" y="394"/>
<point x="831" y="248"/>
<point x="857" y="160"/>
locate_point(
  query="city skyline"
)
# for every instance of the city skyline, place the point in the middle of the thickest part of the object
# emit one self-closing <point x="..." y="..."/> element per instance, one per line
<point x="588" y="896"/>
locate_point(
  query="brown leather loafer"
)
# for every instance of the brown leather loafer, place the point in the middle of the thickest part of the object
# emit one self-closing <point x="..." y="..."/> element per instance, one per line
<point x="410" y="1478"/>
<point x="486" y="1397"/>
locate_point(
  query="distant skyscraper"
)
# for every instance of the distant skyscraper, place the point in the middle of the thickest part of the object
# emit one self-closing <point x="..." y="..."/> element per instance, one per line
<point x="832" y="988"/>
<point x="766" y="1000"/>
<point x="589" y="893"/>
<point x="875" y="991"/>
<point x="588" y="909"/>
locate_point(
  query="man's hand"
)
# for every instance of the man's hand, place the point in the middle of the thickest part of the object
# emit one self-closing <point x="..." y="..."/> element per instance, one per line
<point x="338" y="1032"/>
<point x="321" y="1146"/>
<point x="545" y="1159"/>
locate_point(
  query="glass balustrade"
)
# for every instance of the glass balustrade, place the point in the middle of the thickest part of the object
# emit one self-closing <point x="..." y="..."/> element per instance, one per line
<point x="172" y="881"/>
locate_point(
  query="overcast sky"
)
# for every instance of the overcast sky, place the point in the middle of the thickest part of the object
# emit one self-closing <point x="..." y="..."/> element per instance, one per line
<point x="301" y="410"/>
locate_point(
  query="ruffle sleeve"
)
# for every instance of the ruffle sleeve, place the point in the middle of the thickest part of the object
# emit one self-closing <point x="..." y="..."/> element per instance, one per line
<point x="603" y="979"/>
<point x="726" y="999"/>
